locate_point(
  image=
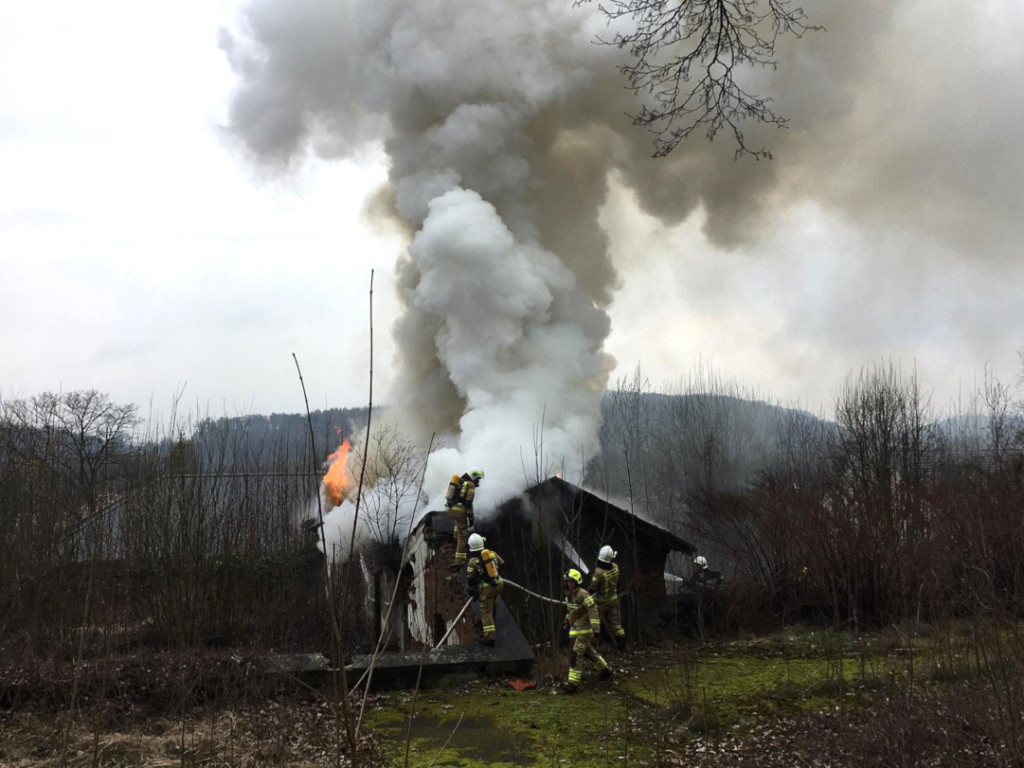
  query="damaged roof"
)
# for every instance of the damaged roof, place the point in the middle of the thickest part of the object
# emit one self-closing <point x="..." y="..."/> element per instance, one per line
<point x="556" y="494"/>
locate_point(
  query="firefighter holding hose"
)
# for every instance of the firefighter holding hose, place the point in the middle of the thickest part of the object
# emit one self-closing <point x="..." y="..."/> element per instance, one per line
<point x="584" y="623"/>
<point x="484" y="581"/>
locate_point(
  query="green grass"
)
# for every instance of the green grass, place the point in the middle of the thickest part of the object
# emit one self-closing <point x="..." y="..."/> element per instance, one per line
<point x="490" y="724"/>
<point x="657" y="701"/>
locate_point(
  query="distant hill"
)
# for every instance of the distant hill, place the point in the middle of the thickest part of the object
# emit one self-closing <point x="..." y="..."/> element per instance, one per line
<point x="738" y="435"/>
<point x="262" y="440"/>
<point x="671" y="445"/>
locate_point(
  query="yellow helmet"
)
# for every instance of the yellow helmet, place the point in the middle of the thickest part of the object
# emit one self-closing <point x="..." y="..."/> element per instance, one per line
<point x="575" y="576"/>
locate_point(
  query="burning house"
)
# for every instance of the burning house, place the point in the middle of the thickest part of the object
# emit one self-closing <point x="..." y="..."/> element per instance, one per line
<point x="418" y="606"/>
<point x="553" y="526"/>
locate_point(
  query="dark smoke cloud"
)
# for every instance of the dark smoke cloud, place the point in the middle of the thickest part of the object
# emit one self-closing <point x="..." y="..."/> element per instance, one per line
<point x="507" y="137"/>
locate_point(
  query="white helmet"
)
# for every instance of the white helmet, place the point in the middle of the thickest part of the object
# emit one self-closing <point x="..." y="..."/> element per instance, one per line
<point x="476" y="542"/>
<point x="607" y="554"/>
<point x="701" y="561"/>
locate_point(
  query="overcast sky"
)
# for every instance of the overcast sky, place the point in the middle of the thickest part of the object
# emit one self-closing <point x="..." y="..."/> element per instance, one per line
<point x="161" y="233"/>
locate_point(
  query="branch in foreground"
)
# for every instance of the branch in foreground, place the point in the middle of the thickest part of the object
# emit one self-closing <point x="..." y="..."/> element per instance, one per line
<point x="684" y="59"/>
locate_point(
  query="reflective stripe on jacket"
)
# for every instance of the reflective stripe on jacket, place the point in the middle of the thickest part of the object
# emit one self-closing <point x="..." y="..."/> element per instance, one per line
<point x="467" y="491"/>
<point x="604" y="584"/>
<point x="582" y="613"/>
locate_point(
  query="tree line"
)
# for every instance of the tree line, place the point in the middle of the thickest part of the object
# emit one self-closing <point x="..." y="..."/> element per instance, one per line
<point x="887" y="513"/>
<point x="193" y="535"/>
<point x="184" y="536"/>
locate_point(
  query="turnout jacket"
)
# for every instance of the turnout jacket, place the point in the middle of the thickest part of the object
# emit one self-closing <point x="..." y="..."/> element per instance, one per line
<point x="467" y="491"/>
<point x="476" y="570"/>
<point x="604" y="584"/>
<point x="581" y="613"/>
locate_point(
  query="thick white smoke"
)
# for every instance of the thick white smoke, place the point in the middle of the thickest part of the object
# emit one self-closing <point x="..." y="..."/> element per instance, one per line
<point x="892" y="203"/>
<point x="504" y="322"/>
<point x="517" y="339"/>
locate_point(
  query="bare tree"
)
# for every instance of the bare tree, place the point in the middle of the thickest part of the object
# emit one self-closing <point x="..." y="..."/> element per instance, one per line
<point x="77" y="444"/>
<point x="83" y="434"/>
<point x="625" y="442"/>
<point x="684" y="55"/>
<point x="881" y="463"/>
<point x="393" y="473"/>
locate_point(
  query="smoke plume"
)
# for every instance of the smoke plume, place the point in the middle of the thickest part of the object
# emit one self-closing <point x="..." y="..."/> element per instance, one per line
<point x="505" y="283"/>
<point x="515" y="170"/>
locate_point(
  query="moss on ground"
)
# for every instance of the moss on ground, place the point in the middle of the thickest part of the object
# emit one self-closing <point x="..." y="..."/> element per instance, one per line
<point x="491" y="724"/>
<point x="679" y="704"/>
<point x="657" y="700"/>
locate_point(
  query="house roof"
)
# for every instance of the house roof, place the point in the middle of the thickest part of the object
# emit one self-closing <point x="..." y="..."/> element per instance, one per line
<point x="597" y="517"/>
<point x="565" y="495"/>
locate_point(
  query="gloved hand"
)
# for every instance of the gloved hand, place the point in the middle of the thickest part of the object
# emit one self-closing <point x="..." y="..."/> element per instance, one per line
<point x="470" y="519"/>
<point x="472" y="594"/>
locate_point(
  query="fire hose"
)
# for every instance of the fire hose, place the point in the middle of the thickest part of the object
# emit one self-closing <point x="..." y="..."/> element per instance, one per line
<point x="470" y="601"/>
<point x="534" y="594"/>
<point x="454" y="624"/>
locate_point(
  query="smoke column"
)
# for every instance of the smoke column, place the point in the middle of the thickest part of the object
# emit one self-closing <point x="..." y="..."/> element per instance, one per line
<point x="507" y="274"/>
<point x="892" y="200"/>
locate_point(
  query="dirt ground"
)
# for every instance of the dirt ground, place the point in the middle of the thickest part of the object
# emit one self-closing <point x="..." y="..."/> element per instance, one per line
<point x="729" y="706"/>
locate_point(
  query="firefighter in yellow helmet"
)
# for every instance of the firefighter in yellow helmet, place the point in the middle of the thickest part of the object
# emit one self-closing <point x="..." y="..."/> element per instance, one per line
<point x="459" y="503"/>
<point x="484" y="581"/>
<point x="583" y="622"/>
<point x="604" y="588"/>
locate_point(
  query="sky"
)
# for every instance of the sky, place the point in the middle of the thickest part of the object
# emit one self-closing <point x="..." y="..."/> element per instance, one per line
<point x="192" y="199"/>
<point x="140" y="256"/>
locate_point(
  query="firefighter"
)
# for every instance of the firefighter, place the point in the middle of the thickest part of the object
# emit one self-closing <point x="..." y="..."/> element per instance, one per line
<point x="484" y="581"/>
<point x="459" y="503"/>
<point x="604" y="589"/>
<point x="702" y="575"/>
<point x="583" y="622"/>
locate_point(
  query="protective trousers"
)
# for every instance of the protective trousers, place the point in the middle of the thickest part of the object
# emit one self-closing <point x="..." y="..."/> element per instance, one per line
<point x="488" y="601"/>
<point x="583" y="648"/>
<point x="458" y="514"/>
<point x="608" y="609"/>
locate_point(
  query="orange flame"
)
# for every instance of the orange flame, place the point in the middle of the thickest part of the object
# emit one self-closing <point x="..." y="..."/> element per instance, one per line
<point x="337" y="481"/>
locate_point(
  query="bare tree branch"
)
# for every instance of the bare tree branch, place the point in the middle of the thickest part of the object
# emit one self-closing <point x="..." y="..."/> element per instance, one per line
<point x="685" y="56"/>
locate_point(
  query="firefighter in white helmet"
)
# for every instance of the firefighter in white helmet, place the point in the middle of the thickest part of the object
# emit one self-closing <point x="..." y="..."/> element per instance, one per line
<point x="702" y="575"/>
<point x="459" y="503"/>
<point x="582" y="619"/>
<point x="604" y="588"/>
<point x="483" y="580"/>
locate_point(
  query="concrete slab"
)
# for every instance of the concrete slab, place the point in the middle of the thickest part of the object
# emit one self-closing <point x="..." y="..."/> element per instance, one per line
<point x="512" y="655"/>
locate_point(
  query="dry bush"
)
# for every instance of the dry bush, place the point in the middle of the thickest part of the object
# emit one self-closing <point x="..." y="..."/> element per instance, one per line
<point x="290" y="733"/>
<point x="139" y="686"/>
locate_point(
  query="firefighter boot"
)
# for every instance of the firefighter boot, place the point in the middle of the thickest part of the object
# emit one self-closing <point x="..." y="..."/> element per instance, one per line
<point x="604" y="674"/>
<point x="620" y="643"/>
<point x="569" y="687"/>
